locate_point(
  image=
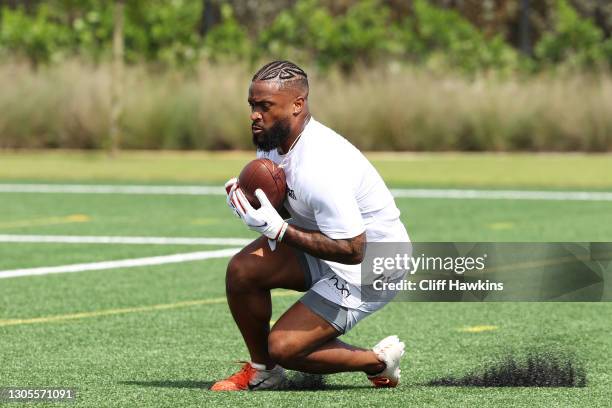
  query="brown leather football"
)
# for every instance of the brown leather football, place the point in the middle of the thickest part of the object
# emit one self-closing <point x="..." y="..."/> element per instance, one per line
<point x="264" y="174"/>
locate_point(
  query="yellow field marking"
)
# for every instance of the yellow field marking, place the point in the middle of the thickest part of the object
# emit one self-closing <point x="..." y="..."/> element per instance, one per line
<point x="501" y="225"/>
<point x="478" y="329"/>
<point x="36" y="222"/>
<point x="111" y="312"/>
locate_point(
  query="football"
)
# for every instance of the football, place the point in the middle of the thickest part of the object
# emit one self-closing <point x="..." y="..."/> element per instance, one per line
<point x="264" y="174"/>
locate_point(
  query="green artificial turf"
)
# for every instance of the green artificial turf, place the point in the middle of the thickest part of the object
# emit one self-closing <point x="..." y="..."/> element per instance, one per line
<point x="160" y="335"/>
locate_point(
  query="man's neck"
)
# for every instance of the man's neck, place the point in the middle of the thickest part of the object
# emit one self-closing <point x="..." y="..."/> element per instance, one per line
<point x="297" y="131"/>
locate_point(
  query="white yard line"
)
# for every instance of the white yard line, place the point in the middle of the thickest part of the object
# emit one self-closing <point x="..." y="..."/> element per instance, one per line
<point x="111" y="189"/>
<point x="400" y="193"/>
<point x="124" y="263"/>
<point x="504" y="194"/>
<point x="75" y="239"/>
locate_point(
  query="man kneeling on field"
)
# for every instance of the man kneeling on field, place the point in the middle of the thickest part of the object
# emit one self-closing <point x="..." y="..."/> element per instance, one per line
<point x="336" y="202"/>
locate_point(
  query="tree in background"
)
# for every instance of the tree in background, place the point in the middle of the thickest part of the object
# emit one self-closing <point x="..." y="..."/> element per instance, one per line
<point x="468" y="35"/>
<point x="576" y="41"/>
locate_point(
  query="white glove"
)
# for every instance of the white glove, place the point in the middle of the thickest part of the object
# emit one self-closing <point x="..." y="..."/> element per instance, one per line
<point x="230" y="187"/>
<point x="264" y="220"/>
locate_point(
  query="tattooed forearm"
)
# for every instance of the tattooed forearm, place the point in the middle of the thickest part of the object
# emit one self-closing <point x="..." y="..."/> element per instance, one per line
<point x="347" y="251"/>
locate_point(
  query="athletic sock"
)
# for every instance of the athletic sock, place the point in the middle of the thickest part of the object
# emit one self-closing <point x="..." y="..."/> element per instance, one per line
<point x="260" y="367"/>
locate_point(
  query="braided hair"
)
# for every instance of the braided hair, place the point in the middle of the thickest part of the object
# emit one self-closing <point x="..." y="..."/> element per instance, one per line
<point x="285" y="72"/>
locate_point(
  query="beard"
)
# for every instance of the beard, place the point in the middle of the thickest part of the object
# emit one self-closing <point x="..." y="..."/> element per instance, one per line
<point x="272" y="138"/>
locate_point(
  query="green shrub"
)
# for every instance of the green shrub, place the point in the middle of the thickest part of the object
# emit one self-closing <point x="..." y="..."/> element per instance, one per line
<point x="366" y="34"/>
<point x="437" y="37"/>
<point x="32" y="36"/>
<point x="308" y="32"/>
<point x="228" y="40"/>
<point x="303" y="32"/>
<point x="575" y="42"/>
<point x="163" y="31"/>
<point x="93" y="31"/>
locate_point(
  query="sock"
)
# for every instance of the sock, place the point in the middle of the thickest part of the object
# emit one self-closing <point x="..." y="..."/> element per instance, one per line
<point x="260" y="367"/>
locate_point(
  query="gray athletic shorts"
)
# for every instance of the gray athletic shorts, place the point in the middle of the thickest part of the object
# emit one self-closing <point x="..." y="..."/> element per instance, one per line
<point x="333" y="298"/>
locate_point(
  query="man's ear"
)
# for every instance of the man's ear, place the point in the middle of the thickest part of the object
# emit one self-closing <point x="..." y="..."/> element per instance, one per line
<point x="298" y="105"/>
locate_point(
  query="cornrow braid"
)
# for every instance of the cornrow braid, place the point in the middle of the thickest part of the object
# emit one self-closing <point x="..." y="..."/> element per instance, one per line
<point x="281" y="70"/>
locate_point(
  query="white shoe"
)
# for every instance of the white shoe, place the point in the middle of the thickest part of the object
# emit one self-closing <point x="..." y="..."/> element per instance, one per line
<point x="390" y="351"/>
<point x="253" y="377"/>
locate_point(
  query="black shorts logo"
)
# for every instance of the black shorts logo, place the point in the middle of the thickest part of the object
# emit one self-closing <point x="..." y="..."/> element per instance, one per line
<point x="291" y="193"/>
<point x="340" y="286"/>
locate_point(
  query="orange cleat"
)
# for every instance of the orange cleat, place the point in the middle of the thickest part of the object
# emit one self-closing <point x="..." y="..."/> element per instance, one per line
<point x="252" y="378"/>
<point x="383" y="382"/>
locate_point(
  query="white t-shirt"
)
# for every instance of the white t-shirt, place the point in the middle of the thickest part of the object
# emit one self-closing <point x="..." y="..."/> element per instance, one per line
<point x="333" y="188"/>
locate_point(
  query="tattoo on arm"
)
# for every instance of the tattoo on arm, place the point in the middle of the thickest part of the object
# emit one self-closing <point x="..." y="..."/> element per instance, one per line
<point x="346" y="251"/>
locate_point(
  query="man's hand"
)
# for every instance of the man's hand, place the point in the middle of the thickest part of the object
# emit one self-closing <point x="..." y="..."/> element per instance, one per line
<point x="230" y="188"/>
<point x="264" y="220"/>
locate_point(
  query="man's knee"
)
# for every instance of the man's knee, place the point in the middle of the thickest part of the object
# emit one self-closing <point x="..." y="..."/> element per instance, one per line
<point x="282" y="350"/>
<point x="240" y="275"/>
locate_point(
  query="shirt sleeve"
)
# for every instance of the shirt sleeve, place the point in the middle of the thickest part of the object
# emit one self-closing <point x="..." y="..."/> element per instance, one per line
<point x="336" y="209"/>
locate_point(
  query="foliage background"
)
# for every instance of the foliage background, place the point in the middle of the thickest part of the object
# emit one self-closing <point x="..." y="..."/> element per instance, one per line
<point x="401" y="75"/>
